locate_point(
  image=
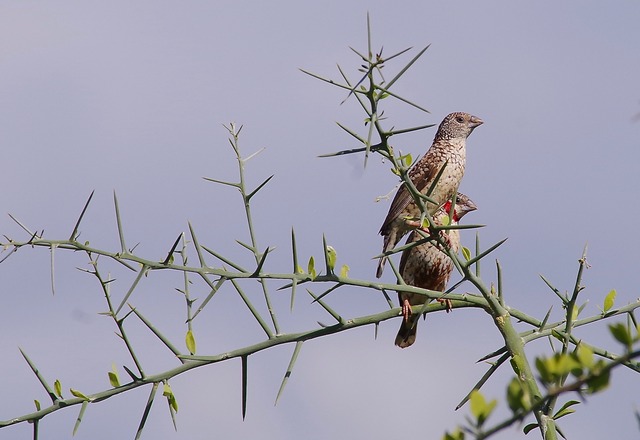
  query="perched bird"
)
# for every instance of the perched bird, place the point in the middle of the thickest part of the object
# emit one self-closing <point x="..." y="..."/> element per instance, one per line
<point x="427" y="266"/>
<point x="448" y="148"/>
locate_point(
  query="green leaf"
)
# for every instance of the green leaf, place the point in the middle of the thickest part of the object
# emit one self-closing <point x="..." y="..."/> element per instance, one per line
<point x="78" y="394"/>
<point x="480" y="408"/>
<point x="311" y="269"/>
<point x="344" y="272"/>
<point x="542" y="365"/>
<point x="478" y="403"/>
<point x="558" y="365"/>
<point x="529" y="427"/>
<point x="556" y="334"/>
<point x="600" y="381"/>
<point x="57" y="388"/>
<point x="407" y="160"/>
<point x="168" y="393"/>
<point x="576" y="312"/>
<point x="581" y="308"/>
<point x="455" y="435"/>
<point x="563" y="413"/>
<point x="190" y="339"/>
<point x="37" y="403"/>
<point x="446" y="221"/>
<point x="466" y="253"/>
<point x="621" y="333"/>
<point x="565" y="410"/>
<point x="173" y="403"/>
<point x="114" y="380"/>
<point x="332" y="256"/>
<point x="515" y="395"/>
<point x="562" y="364"/>
<point x="584" y="355"/>
<point x="609" y="300"/>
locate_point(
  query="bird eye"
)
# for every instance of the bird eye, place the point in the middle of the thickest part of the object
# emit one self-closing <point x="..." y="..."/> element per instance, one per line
<point x="459" y="119"/>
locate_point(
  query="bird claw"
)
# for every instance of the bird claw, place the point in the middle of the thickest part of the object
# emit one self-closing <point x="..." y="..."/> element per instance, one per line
<point x="447" y="303"/>
<point x="406" y="310"/>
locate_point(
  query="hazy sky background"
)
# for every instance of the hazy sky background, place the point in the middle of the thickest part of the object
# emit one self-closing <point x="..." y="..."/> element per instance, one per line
<point x="131" y="97"/>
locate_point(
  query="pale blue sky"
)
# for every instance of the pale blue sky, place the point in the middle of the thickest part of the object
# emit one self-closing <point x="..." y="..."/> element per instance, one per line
<point x="132" y="98"/>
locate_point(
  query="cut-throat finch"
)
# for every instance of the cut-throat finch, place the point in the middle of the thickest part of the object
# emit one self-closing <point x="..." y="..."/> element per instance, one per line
<point x="448" y="150"/>
<point x="428" y="266"/>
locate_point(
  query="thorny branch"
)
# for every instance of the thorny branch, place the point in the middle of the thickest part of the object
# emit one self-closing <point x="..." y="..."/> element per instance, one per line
<point x="537" y="396"/>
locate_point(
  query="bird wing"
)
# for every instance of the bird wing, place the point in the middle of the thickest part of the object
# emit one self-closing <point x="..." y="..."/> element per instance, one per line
<point x="421" y="175"/>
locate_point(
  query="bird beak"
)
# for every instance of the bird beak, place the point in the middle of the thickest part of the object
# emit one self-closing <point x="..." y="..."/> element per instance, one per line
<point x="470" y="206"/>
<point x="475" y="121"/>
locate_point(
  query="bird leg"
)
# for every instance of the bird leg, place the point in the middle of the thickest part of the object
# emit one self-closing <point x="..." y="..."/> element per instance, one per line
<point x="415" y="224"/>
<point x="406" y="310"/>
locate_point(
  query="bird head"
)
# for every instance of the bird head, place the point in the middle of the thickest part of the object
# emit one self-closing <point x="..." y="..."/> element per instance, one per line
<point x="458" y="125"/>
<point x="463" y="205"/>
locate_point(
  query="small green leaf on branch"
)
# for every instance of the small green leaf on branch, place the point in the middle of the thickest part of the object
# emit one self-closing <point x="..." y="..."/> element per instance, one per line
<point x="515" y="395"/>
<point x="480" y="408"/>
<point x="407" y="160"/>
<point x="57" y="388"/>
<point x="332" y="256"/>
<point x="600" y="379"/>
<point x="584" y="355"/>
<point x="609" y="300"/>
<point x="190" y="340"/>
<point x="621" y="333"/>
<point x="311" y="270"/>
<point x="114" y="380"/>
<point x="565" y="410"/>
<point x="78" y="394"/>
<point x="171" y="399"/>
<point x="455" y="435"/>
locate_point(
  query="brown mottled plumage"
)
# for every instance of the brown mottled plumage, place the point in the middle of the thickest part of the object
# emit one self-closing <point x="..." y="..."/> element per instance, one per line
<point x="448" y="147"/>
<point x="428" y="267"/>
